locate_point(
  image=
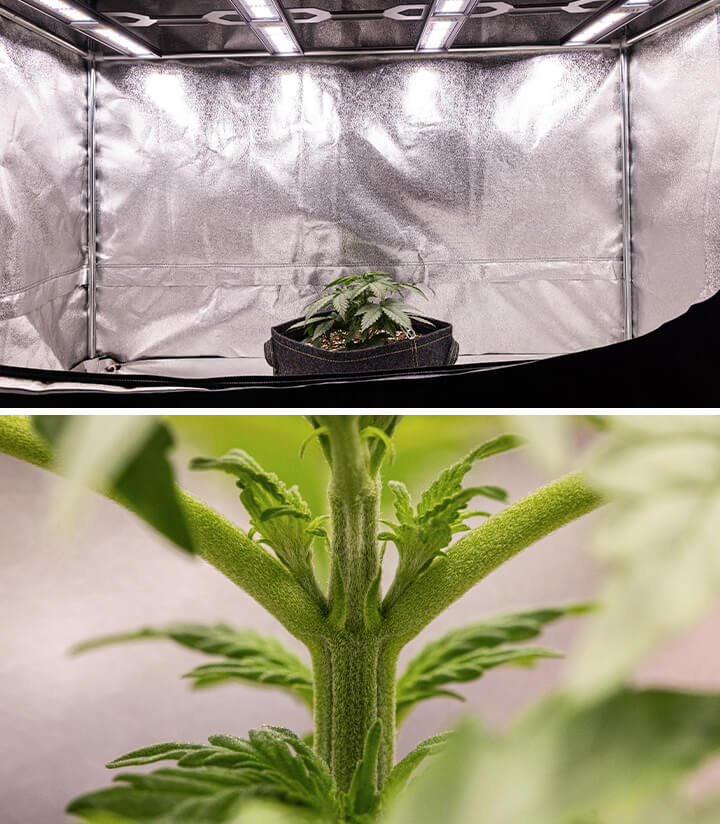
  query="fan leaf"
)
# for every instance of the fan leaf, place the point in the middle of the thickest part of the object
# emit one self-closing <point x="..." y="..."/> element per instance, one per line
<point x="466" y="653"/>
<point x="277" y="512"/>
<point x="248" y="656"/>
<point x="421" y="536"/>
<point x="212" y="781"/>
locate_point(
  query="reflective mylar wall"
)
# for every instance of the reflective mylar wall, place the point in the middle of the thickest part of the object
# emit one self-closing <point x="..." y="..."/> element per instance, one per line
<point x="43" y="178"/>
<point x="228" y="192"/>
<point x="675" y="134"/>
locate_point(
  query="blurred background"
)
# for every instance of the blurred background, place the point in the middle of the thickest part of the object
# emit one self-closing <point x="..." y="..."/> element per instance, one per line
<point x="63" y="717"/>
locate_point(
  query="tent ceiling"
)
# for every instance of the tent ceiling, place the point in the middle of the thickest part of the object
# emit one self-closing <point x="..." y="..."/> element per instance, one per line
<point x="213" y="26"/>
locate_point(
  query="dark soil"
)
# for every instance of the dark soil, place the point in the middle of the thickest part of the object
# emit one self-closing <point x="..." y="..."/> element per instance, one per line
<point x="336" y="341"/>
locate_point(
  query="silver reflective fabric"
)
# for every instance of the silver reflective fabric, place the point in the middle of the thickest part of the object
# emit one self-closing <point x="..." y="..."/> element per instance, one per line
<point x="229" y="192"/>
<point x="675" y="136"/>
<point x="42" y="202"/>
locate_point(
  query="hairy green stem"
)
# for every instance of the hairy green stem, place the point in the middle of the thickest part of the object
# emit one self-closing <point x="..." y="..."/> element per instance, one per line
<point x="354" y="497"/>
<point x="355" y="676"/>
<point x="485" y="548"/>
<point x="216" y="540"/>
<point x="359" y="681"/>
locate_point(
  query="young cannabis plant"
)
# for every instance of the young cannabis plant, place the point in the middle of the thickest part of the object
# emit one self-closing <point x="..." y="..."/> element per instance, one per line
<point x="360" y="311"/>
<point x="345" y="771"/>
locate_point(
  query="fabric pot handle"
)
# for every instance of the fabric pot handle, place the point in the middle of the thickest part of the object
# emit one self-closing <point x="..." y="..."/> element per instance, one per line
<point x="268" y="349"/>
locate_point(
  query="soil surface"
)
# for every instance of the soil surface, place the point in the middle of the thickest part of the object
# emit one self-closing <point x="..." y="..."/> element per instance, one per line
<point x="335" y="341"/>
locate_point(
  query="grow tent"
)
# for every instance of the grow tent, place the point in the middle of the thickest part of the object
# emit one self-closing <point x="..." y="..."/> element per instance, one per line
<point x="171" y="186"/>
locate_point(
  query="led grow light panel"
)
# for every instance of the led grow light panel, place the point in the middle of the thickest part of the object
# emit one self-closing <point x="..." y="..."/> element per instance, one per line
<point x="215" y="26"/>
<point x="67" y="12"/>
<point x="258" y="9"/>
<point x="117" y="40"/>
<point x="436" y="35"/>
<point x="278" y="38"/>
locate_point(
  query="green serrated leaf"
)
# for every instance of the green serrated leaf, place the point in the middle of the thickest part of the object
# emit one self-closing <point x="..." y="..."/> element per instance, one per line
<point x="322" y="328"/>
<point x="212" y="780"/>
<point x="402" y="503"/>
<point x="450" y="481"/>
<point x="370" y="315"/>
<point x="341" y="302"/>
<point x="392" y="311"/>
<point x="466" y="653"/>
<point x="247" y="656"/>
<point x="279" y="513"/>
<point x="421" y="537"/>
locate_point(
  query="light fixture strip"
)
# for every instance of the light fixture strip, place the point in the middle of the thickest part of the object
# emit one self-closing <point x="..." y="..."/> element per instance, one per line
<point x="609" y="21"/>
<point x="94" y="26"/>
<point x="65" y="12"/>
<point x="270" y="24"/>
<point x="277" y="38"/>
<point x="443" y="23"/>
<point x="251" y="10"/>
<point x="116" y="38"/>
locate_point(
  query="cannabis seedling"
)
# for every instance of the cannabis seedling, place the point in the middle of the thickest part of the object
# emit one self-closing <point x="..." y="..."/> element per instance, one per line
<point x="360" y="311"/>
<point x="346" y="771"/>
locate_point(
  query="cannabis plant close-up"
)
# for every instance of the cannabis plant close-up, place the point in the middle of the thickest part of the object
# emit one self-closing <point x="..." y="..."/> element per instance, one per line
<point x="357" y="311"/>
<point x="596" y="749"/>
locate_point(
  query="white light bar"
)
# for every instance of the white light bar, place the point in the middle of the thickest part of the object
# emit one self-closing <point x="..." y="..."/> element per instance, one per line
<point x="258" y="9"/>
<point x="81" y="20"/>
<point x="278" y="38"/>
<point x="117" y="40"/>
<point x="608" y="22"/>
<point x="450" y="7"/>
<point x="67" y="12"/>
<point x="435" y="34"/>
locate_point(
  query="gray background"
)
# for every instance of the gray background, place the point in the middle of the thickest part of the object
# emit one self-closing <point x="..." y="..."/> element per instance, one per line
<point x="62" y="717"/>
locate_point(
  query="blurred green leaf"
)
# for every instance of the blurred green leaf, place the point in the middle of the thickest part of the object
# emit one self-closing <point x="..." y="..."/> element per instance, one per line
<point x="247" y="656"/>
<point x="658" y="541"/>
<point x="564" y="763"/>
<point x="466" y="653"/>
<point x="126" y="454"/>
<point x="443" y="794"/>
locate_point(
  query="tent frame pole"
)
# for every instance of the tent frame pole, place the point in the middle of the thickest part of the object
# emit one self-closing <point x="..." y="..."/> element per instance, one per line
<point x="626" y="197"/>
<point x="91" y="213"/>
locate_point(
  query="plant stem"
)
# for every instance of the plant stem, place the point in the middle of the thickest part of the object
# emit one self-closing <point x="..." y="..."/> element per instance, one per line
<point x="354" y="668"/>
<point x="354" y="497"/>
<point x="488" y="546"/>
<point x="355" y="676"/>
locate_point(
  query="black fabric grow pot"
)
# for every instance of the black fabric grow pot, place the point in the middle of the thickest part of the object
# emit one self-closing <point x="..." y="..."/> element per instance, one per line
<point x="288" y="355"/>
